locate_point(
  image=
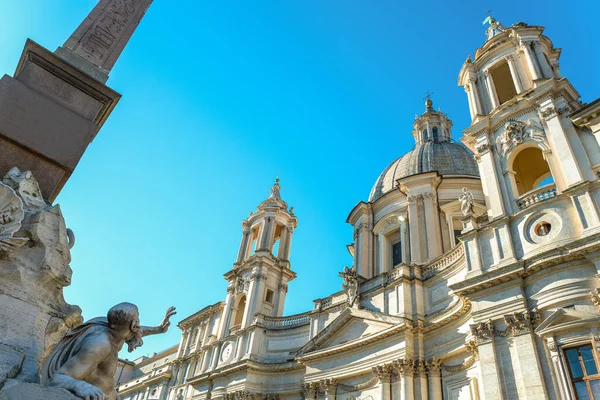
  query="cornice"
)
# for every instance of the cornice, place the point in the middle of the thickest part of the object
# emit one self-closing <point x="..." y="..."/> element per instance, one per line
<point x="202" y="315"/>
<point x="523" y="268"/>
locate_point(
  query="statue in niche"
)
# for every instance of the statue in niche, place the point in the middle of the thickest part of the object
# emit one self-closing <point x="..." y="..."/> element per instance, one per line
<point x="467" y="203"/>
<point x="84" y="362"/>
<point x="350" y="285"/>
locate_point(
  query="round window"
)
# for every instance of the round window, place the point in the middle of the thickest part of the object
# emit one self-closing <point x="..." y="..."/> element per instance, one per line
<point x="543" y="228"/>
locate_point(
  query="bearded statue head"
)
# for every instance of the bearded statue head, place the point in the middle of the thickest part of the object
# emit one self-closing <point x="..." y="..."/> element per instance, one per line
<point x="125" y="317"/>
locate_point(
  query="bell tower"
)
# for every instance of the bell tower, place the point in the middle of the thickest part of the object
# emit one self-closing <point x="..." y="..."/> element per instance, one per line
<point x="521" y="132"/>
<point x="259" y="279"/>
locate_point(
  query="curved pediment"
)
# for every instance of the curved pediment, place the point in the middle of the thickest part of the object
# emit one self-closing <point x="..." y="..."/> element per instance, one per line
<point x="352" y="328"/>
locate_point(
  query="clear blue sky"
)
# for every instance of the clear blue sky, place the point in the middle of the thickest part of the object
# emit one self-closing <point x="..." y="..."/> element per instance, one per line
<point x="221" y="96"/>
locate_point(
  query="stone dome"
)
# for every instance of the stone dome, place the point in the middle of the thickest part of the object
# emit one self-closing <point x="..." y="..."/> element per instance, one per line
<point x="445" y="157"/>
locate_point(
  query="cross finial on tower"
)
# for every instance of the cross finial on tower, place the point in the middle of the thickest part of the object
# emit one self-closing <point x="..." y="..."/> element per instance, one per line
<point x="489" y="19"/>
<point x="428" y="102"/>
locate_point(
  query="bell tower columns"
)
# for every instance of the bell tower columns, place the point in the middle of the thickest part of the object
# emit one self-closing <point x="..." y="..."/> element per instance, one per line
<point x="259" y="279"/>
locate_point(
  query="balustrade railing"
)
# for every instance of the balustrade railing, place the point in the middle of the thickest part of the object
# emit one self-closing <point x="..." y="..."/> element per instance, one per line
<point x="444" y="261"/>
<point x="537" y="196"/>
<point x="293" y="321"/>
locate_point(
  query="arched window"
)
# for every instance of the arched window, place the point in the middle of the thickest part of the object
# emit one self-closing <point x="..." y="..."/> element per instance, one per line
<point x="531" y="170"/>
<point x="425" y="134"/>
<point x="276" y="240"/>
<point x="503" y="82"/>
<point x="254" y="239"/>
<point x="239" y="312"/>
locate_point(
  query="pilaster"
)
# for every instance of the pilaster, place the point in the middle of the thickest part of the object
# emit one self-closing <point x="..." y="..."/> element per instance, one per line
<point x="542" y="61"/>
<point x="384" y="374"/>
<point x="533" y="67"/>
<point x="434" y="373"/>
<point x="405" y="369"/>
<point x="564" y="142"/>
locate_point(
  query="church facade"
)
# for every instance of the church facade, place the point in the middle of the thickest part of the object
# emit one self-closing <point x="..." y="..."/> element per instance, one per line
<point x="475" y="269"/>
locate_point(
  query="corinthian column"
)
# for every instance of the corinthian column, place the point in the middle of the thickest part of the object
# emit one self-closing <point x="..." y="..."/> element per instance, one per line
<point x="533" y="68"/>
<point x="469" y="91"/>
<point x="384" y="374"/>
<point x="491" y="89"/>
<point x="406" y="368"/>
<point x="513" y="71"/>
<point x="330" y="386"/>
<point x="244" y="245"/>
<point x="434" y="372"/>
<point x="543" y="62"/>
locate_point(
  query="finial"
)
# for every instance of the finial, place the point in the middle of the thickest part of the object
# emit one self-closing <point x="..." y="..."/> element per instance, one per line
<point x="275" y="190"/>
<point x="495" y="26"/>
<point x="489" y="19"/>
<point x="428" y="102"/>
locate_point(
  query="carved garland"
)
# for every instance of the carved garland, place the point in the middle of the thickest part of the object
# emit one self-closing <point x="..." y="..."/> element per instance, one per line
<point x="361" y="386"/>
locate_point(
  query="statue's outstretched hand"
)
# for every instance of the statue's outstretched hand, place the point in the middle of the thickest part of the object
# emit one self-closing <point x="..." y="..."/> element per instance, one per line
<point x="88" y="392"/>
<point x="164" y="325"/>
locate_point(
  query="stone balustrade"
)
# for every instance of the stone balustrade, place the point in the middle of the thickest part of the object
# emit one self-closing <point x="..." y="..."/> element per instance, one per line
<point x="537" y="196"/>
<point x="293" y="321"/>
<point x="444" y="261"/>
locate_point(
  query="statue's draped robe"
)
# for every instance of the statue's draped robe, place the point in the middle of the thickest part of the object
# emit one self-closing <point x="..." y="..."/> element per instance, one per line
<point x="69" y="346"/>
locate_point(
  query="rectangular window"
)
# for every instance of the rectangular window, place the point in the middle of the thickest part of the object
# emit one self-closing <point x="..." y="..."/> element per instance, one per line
<point x="583" y="370"/>
<point x="457" y="233"/>
<point x="269" y="296"/>
<point x="397" y="253"/>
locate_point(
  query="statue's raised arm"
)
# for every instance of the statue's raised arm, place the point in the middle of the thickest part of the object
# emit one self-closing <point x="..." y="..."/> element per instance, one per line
<point x="162" y="327"/>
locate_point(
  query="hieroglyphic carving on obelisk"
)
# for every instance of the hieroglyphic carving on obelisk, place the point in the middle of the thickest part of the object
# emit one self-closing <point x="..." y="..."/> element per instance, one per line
<point x="103" y="35"/>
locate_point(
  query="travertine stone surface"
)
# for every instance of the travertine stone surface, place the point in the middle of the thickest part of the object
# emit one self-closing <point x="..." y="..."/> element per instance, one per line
<point x="34" y="269"/>
<point x="15" y="390"/>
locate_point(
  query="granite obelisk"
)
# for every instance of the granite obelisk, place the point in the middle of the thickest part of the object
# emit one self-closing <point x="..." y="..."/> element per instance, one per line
<point x="56" y="103"/>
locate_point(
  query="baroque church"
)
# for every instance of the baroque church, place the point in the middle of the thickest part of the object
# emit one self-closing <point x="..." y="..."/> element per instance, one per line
<point x="475" y="264"/>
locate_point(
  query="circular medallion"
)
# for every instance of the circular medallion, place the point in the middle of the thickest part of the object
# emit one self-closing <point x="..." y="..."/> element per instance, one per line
<point x="226" y="352"/>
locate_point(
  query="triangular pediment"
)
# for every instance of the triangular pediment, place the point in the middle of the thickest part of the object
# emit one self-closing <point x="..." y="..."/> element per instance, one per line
<point x="351" y="325"/>
<point x="571" y="317"/>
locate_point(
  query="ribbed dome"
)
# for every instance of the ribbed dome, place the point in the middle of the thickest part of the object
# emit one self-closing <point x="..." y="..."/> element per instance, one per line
<point x="447" y="158"/>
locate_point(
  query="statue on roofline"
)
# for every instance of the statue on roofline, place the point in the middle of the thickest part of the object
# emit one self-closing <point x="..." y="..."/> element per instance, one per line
<point x="467" y="202"/>
<point x="350" y="286"/>
<point x="84" y="362"/>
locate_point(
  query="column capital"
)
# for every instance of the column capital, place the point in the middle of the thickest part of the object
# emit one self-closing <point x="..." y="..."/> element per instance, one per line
<point x="595" y="295"/>
<point x="383" y="372"/>
<point x="483" y="331"/>
<point x="329" y="386"/>
<point x="434" y="367"/>
<point x="421" y="368"/>
<point x="405" y="367"/>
